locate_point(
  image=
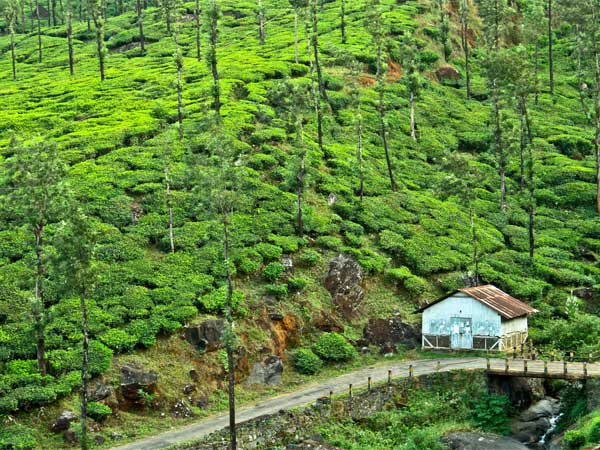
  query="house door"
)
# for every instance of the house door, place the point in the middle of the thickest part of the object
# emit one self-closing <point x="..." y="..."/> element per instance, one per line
<point x="462" y="333"/>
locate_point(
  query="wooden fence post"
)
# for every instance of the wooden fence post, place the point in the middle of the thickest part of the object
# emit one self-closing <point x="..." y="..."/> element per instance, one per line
<point x="565" y="367"/>
<point x="545" y="367"/>
<point x="389" y="378"/>
<point x="438" y="366"/>
<point x="525" y="365"/>
<point x="410" y="371"/>
<point x="585" y="370"/>
<point x="369" y="384"/>
<point x="506" y="365"/>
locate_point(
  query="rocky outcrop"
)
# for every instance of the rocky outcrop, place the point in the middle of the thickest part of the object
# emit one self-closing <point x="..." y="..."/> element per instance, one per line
<point x="534" y="422"/>
<point x="267" y="372"/>
<point x="134" y="381"/>
<point x="207" y="336"/>
<point x="284" y="330"/>
<point x="344" y="284"/>
<point x="328" y="323"/>
<point x="181" y="410"/>
<point x="481" y="441"/>
<point x="98" y="392"/>
<point x="522" y="392"/>
<point x="311" y="444"/>
<point x="63" y="421"/>
<point x="391" y="331"/>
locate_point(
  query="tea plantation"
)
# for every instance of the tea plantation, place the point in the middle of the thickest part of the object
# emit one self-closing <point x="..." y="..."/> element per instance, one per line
<point x="117" y="136"/>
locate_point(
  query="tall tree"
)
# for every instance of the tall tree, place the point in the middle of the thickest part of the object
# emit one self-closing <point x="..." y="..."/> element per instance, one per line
<point x="314" y="39"/>
<point x="197" y="23"/>
<point x="214" y="14"/>
<point x="261" y="22"/>
<point x="343" y="21"/>
<point x="178" y="59"/>
<point x="167" y="9"/>
<point x="10" y="10"/>
<point x="411" y="77"/>
<point x="533" y="25"/>
<point x="550" y="46"/>
<point x="464" y="12"/>
<point x="70" y="37"/>
<point x="96" y="11"/>
<point x="355" y="70"/>
<point x="444" y="27"/>
<point x="140" y="22"/>
<point x="316" y="93"/>
<point x="376" y="30"/>
<point x="77" y="243"/>
<point x="299" y="6"/>
<point x="39" y="29"/>
<point x="38" y="197"/>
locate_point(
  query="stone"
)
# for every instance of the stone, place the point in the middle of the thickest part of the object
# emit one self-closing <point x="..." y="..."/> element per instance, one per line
<point x="194" y="375"/>
<point x="201" y="402"/>
<point x="189" y="388"/>
<point x="328" y="323"/>
<point x="332" y="199"/>
<point x="387" y="349"/>
<point x="267" y="372"/>
<point x="392" y="330"/>
<point x="285" y="333"/>
<point x="344" y="284"/>
<point x="365" y="350"/>
<point x="547" y="408"/>
<point x="98" y="392"/>
<point x="206" y="337"/>
<point x="481" y="441"/>
<point x="70" y="437"/>
<point x="522" y="392"/>
<point x="447" y="73"/>
<point x="287" y="262"/>
<point x="63" y="421"/>
<point x="115" y="436"/>
<point x="181" y="410"/>
<point x="99" y="439"/>
<point x="133" y="380"/>
<point x="534" y="422"/>
<point x="310" y="444"/>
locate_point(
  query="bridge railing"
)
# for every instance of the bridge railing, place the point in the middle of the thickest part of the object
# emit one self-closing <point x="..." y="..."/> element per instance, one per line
<point x="528" y="351"/>
<point x="551" y="369"/>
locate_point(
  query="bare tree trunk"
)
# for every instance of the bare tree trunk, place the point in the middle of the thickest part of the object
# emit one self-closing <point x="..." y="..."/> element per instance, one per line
<point x="316" y="96"/>
<point x="464" y="36"/>
<point x="261" y="23"/>
<point x="62" y="12"/>
<point x="229" y="343"/>
<point x="39" y="309"/>
<point x="170" y="209"/>
<point x="359" y="151"/>
<point x="99" y="25"/>
<point x="179" y="65"/>
<point x="550" y="48"/>
<point x="536" y="71"/>
<point x="300" y="178"/>
<point x="522" y="148"/>
<point x="580" y="82"/>
<point x="13" y="54"/>
<point x="168" y="15"/>
<point x="119" y="7"/>
<point x="315" y="43"/>
<point x="343" y="21"/>
<point x="53" y="12"/>
<point x="197" y="13"/>
<point x="214" y="17"/>
<point x="597" y="120"/>
<point x="70" y="37"/>
<point x="499" y="147"/>
<point x="475" y="243"/>
<point x="39" y="30"/>
<point x="413" y="131"/>
<point x="84" y="370"/>
<point x="140" y="21"/>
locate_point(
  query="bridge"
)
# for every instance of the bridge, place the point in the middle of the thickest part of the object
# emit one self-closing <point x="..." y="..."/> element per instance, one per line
<point x="565" y="370"/>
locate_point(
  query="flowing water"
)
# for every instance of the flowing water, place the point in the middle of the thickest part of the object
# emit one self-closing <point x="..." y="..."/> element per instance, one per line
<point x="542" y="444"/>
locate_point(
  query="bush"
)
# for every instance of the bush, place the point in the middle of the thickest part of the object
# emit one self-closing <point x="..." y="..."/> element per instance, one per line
<point x="119" y="340"/>
<point x="297" y="283"/>
<point x="492" y="412"/>
<point x="269" y="252"/>
<point x="594" y="433"/>
<point x="334" y="347"/>
<point x="574" y="439"/>
<point x="215" y="301"/>
<point x="273" y="271"/>
<point x="330" y="242"/>
<point x="309" y="258"/>
<point x="306" y="362"/>
<point x="98" y="411"/>
<point x="17" y="437"/>
<point x="278" y="290"/>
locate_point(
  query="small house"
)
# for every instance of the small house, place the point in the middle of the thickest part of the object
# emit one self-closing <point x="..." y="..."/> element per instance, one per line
<point x="476" y="318"/>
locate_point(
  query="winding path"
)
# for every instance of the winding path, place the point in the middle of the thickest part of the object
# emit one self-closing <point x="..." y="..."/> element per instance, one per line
<point x="359" y="378"/>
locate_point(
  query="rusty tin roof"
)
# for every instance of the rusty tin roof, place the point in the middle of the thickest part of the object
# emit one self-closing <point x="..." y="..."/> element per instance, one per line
<point x="505" y="305"/>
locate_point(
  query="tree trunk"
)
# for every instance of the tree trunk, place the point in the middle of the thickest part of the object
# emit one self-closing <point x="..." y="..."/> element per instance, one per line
<point x="359" y="151"/>
<point x="119" y="7"/>
<point x="168" y="15"/>
<point x="197" y="13"/>
<point x="343" y="21"/>
<point x="522" y="148"/>
<point x="475" y="243"/>
<point x="296" y="46"/>
<point x="39" y="309"/>
<point x="229" y="343"/>
<point x="464" y="36"/>
<point x="170" y="209"/>
<point x="99" y="25"/>
<point x="62" y="12"/>
<point x="84" y="370"/>
<point x="550" y="48"/>
<point x="316" y="96"/>
<point x="597" y="122"/>
<point x="53" y="12"/>
<point x="499" y="148"/>
<point x="13" y="54"/>
<point x="315" y="43"/>
<point x="39" y="30"/>
<point x="49" y="13"/>
<point x="140" y="21"/>
<point x="213" y="60"/>
<point x="261" y="23"/>
<point x="413" y="131"/>
<point x="536" y="70"/>
<point x="70" y="37"/>
<point x="179" y="64"/>
<point x="580" y="82"/>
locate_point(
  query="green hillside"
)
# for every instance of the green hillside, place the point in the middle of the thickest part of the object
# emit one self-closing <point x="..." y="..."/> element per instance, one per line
<point x="117" y="136"/>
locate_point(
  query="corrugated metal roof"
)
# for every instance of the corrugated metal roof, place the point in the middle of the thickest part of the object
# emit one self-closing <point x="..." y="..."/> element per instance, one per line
<point x="505" y="305"/>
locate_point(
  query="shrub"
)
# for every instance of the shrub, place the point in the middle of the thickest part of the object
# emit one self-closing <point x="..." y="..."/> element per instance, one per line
<point x="491" y="413"/>
<point x="273" y="271"/>
<point x="215" y="301"/>
<point x="248" y="260"/>
<point x="269" y="252"/>
<point x="119" y="340"/>
<point x="17" y="437"/>
<point x="594" y="433"/>
<point x="306" y="362"/>
<point x="309" y="258"/>
<point x="574" y="439"/>
<point x="331" y="242"/>
<point x="297" y="283"/>
<point x="98" y="411"/>
<point x="278" y="290"/>
<point x="334" y="347"/>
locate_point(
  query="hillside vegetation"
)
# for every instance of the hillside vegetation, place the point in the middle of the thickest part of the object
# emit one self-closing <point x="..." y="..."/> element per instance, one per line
<point x="129" y="165"/>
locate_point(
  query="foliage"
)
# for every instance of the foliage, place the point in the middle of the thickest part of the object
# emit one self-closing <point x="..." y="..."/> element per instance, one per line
<point x="273" y="271"/>
<point x="492" y="413"/>
<point x="334" y="347"/>
<point x="17" y="437"/>
<point x="306" y="361"/>
<point x="98" y="411"/>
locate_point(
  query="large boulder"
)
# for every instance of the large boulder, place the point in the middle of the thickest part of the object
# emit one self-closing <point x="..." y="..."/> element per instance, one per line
<point x="98" y="392"/>
<point x="534" y="422"/>
<point x="207" y="337"/>
<point x="267" y="372"/>
<point x="391" y="331"/>
<point x="63" y="421"/>
<point x="344" y="284"/>
<point x="523" y="392"/>
<point x="481" y="441"/>
<point x="134" y="380"/>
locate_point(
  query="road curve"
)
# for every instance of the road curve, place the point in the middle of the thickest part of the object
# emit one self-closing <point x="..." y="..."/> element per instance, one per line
<point x="301" y="397"/>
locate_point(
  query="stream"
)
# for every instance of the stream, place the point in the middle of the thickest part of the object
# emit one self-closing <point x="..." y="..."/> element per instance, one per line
<point x="543" y="443"/>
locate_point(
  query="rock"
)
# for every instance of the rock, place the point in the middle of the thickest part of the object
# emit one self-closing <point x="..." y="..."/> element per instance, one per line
<point x="276" y="317"/>
<point x="99" y="439"/>
<point x="287" y="262"/>
<point x="63" y="421"/>
<point x="534" y="422"/>
<point x="133" y="380"/>
<point x="194" y="375"/>
<point x="393" y="330"/>
<point x="284" y="333"/>
<point x="115" y="436"/>
<point x="181" y="410"/>
<point x="70" y="437"/>
<point x="344" y="284"/>
<point x="100" y="391"/>
<point x="328" y="323"/>
<point x="267" y="372"/>
<point x="481" y="441"/>
<point x="523" y="392"/>
<point x="365" y="350"/>
<point x="201" y="402"/>
<point x="207" y="336"/>
<point x="448" y="75"/>
<point x="544" y="408"/>
<point x="188" y="389"/>
<point x="387" y="349"/>
<point x="332" y="199"/>
<point x="310" y="444"/>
